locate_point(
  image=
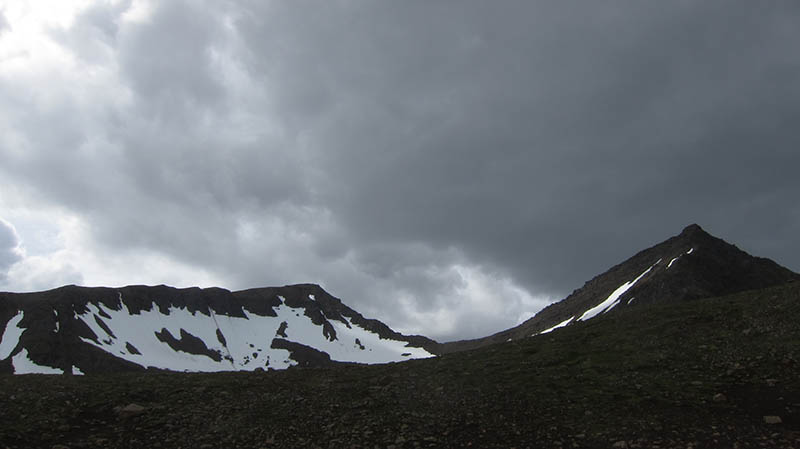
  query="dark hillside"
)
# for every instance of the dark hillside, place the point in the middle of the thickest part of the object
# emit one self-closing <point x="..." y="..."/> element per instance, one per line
<point x="711" y="373"/>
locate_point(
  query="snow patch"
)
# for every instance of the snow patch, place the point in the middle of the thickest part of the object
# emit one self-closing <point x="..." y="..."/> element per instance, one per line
<point x="561" y="324"/>
<point x="613" y="298"/>
<point x="11" y="335"/>
<point x="378" y="350"/>
<point x="611" y="306"/>
<point x="676" y="258"/>
<point x="24" y="365"/>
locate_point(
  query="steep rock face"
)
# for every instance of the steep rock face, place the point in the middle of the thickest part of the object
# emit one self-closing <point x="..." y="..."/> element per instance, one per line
<point x="691" y="265"/>
<point x="77" y="330"/>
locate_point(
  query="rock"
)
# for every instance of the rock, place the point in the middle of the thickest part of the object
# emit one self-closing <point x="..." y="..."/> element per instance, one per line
<point x="59" y="446"/>
<point x="129" y="410"/>
<point x="620" y="445"/>
<point x="773" y="420"/>
<point x="719" y="397"/>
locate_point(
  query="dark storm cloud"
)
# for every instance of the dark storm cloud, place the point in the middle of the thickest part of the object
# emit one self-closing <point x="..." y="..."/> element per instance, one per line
<point x="422" y="159"/>
<point x="549" y="139"/>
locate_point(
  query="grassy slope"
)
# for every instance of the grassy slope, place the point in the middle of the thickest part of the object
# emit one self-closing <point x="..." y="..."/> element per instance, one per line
<point x="646" y="376"/>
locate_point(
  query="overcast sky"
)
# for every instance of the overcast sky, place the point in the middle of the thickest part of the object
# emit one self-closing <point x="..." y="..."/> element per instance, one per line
<point x="448" y="167"/>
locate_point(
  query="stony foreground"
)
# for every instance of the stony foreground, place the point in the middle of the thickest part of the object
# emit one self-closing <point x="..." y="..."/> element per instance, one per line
<point x="717" y="373"/>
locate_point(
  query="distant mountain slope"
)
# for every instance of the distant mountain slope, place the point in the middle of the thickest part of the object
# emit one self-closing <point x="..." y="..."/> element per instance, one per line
<point x="88" y="330"/>
<point x="691" y="265"/>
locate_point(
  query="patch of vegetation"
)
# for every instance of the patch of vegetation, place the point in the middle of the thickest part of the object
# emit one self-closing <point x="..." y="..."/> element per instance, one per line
<point x="705" y="373"/>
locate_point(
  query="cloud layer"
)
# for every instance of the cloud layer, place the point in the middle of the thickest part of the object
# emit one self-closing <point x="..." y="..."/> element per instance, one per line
<point x="448" y="170"/>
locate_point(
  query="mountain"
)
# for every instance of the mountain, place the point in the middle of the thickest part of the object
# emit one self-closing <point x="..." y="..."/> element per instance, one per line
<point x="89" y="330"/>
<point x="688" y="266"/>
<point x="76" y="330"/>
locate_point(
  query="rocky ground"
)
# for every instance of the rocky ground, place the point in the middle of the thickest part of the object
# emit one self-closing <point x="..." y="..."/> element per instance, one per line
<point x="717" y="373"/>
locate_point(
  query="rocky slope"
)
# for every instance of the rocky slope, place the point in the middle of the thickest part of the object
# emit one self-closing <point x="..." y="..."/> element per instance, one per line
<point x="711" y="373"/>
<point x="77" y="330"/>
<point x="691" y="265"/>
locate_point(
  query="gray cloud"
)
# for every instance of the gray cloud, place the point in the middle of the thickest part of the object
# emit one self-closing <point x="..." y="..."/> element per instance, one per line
<point x="167" y="61"/>
<point x="93" y="35"/>
<point x="3" y="23"/>
<point x="9" y="249"/>
<point x="409" y="156"/>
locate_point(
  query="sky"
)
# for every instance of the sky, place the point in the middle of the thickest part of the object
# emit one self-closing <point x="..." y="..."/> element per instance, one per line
<point x="448" y="167"/>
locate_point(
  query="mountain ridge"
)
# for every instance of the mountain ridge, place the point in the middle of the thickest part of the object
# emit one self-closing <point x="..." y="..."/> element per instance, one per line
<point x="97" y="329"/>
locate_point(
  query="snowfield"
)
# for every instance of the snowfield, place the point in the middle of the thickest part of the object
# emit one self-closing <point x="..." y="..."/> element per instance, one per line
<point x="245" y="343"/>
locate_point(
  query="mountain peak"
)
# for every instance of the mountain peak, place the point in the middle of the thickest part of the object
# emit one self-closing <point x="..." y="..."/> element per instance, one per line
<point x="693" y="235"/>
<point x="688" y="266"/>
<point x="693" y="229"/>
